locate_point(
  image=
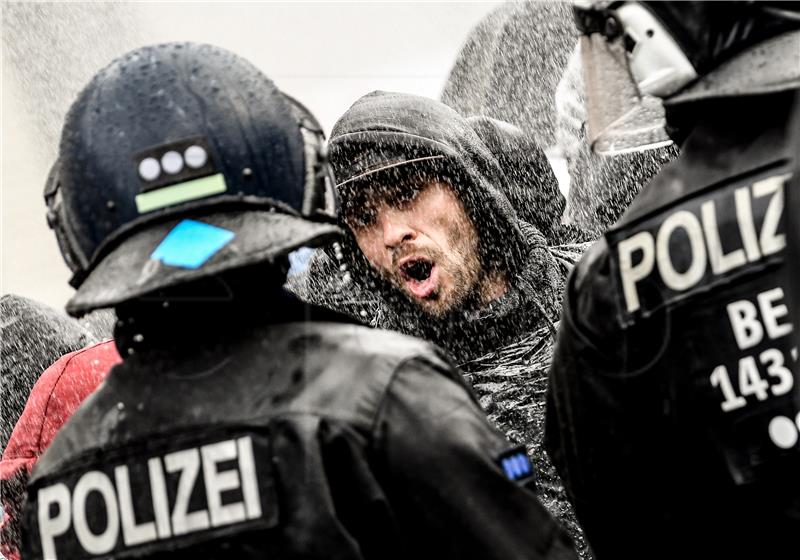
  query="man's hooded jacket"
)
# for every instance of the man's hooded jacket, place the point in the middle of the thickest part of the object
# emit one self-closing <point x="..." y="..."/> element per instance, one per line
<point x="504" y="346"/>
<point x="396" y="136"/>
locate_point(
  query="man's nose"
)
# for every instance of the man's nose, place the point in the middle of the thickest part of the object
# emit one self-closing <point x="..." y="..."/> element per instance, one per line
<point x="395" y="232"/>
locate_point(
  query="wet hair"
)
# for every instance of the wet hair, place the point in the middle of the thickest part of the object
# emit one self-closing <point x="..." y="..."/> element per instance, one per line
<point x="357" y="202"/>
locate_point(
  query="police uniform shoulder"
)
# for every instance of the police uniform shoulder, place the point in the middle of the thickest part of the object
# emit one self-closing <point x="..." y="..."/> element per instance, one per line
<point x="389" y="345"/>
<point x="416" y="363"/>
<point x="386" y="350"/>
<point x="592" y="266"/>
<point x="362" y="360"/>
<point x="666" y="187"/>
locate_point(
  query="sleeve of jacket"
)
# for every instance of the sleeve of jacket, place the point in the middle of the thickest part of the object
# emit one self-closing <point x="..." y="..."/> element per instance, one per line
<point x="444" y="480"/>
<point x="597" y="400"/>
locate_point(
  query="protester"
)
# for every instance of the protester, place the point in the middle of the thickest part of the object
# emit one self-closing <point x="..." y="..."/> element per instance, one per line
<point x="488" y="275"/>
<point x="58" y="392"/>
<point x="673" y="405"/>
<point x="316" y="437"/>
<point x="510" y="65"/>
<point x="436" y="249"/>
<point x="520" y="64"/>
<point x="34" y="336"/>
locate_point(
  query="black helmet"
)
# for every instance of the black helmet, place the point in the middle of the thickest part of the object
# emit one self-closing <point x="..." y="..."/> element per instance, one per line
<point x="178" y="161"/>
<point x="681" y="52"/>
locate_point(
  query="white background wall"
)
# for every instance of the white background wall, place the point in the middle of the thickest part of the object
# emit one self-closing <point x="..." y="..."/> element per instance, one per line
<point x="325" y="54"/>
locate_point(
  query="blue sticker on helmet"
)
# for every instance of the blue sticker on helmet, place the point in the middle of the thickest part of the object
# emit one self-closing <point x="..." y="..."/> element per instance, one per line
<point x="516" y="464"/>
<point x="190" y="244"/>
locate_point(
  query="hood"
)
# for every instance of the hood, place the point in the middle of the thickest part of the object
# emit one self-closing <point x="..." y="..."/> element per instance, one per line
<point x="400" y="134"/>
<point x="34" y="336"/>
<point x="510" y="64"/>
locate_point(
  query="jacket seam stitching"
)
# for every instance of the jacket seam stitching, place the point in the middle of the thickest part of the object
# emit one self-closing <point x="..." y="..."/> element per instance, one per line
<point x="382" y="401"/>
<point x="55" y="385"/>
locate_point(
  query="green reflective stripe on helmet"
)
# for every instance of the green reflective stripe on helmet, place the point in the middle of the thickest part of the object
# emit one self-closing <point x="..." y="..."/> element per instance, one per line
<point x="175" y="194"/>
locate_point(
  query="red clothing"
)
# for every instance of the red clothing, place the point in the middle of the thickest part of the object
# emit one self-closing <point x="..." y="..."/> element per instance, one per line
<point x="53" y="400"/>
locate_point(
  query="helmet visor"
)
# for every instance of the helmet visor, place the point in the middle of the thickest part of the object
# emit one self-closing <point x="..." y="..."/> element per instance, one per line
<point x="620" y="119"/>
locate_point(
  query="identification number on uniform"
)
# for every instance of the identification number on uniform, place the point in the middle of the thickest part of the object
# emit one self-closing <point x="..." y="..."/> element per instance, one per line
<point x="723" y="239"/>
<point x="183" y="494"/>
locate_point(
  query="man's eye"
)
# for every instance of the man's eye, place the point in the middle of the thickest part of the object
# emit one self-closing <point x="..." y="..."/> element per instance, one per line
<point x="361" y="218"/>
<point x="405" y="198"/>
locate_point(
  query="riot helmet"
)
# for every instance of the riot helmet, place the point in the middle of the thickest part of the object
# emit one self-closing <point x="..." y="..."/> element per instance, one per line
<point x="180" y="161"/>
<point x="638" y="54"/>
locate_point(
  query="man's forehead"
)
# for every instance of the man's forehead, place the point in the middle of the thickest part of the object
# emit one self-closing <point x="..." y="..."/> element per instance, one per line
<point x="374" y="192"/>
<point x="390" y="188"/>
<point x="360" y="160"/>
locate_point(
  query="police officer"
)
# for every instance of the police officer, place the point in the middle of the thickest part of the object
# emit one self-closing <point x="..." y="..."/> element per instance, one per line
<point x="674" y="408"/>
<point x="793" y="224"/>
<point x="241" y="423"/>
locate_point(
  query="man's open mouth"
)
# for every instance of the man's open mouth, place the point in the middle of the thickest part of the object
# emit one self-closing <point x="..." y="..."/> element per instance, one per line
<point x="419" y="275"/>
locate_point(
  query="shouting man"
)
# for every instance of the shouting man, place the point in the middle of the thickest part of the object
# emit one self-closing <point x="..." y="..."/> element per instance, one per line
<point x="446" y="245"/>
<point x="419" y="237"/>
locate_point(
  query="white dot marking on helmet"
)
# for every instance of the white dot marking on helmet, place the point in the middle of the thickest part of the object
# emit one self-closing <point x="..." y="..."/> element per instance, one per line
<point x="149" y="169"/>
<point x="195" y="157"/>
<point x="782" y="432"/>
<point x="172" y="162"/>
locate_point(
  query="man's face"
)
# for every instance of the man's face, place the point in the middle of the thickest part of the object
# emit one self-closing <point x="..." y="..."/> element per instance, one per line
<point x="421" y="240"/>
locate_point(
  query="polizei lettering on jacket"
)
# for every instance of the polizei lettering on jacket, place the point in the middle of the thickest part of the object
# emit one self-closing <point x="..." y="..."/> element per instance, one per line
<point x="193" y="494"/>
<point x="699" y="243"/>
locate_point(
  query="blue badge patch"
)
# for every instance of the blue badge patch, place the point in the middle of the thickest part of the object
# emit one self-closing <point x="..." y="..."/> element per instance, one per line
<point x="299" y="260"/>
<point x="190" y="244"/>
<point x="516" y="464"/>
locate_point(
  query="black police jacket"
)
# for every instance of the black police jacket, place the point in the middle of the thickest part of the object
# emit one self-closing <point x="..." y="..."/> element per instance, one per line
<point x="793" y="221"/>
<point x="292" y="440"/>
<point x="673" y="406"/>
